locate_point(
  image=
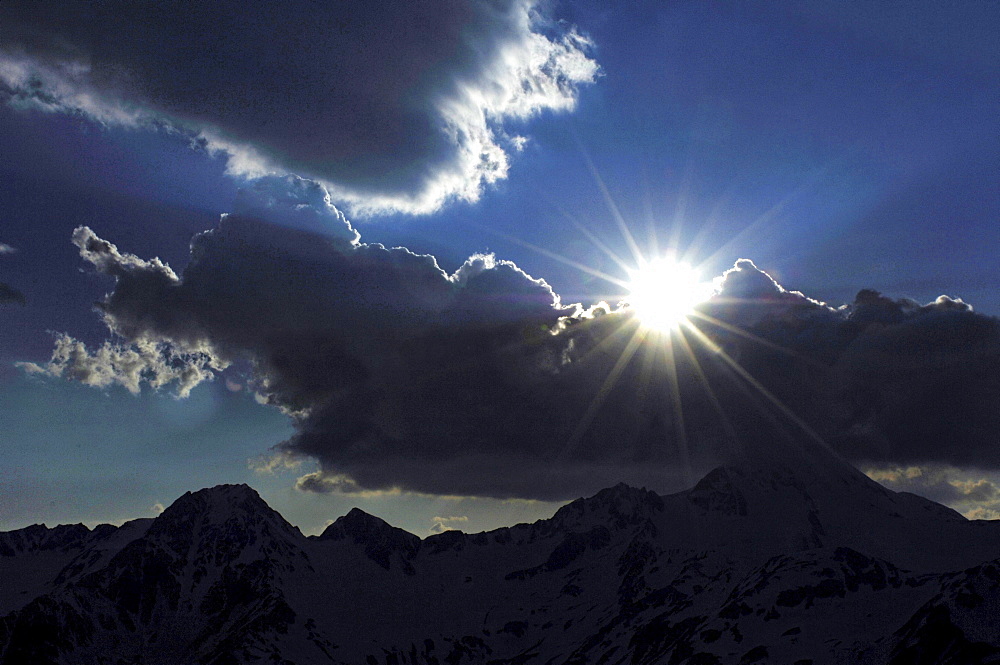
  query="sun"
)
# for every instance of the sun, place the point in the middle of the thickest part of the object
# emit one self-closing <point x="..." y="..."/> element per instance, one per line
<point x="664" y="291"/>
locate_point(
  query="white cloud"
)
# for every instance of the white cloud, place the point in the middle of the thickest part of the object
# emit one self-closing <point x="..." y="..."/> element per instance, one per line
<point x="155" y="364"/>
<point x="451" y="523"/>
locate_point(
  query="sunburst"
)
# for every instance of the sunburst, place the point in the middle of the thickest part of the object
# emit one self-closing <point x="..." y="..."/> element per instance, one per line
<point x="662" y="323"/>
<point x="663" y="292"/>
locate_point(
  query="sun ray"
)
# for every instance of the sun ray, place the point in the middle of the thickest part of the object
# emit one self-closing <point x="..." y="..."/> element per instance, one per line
<point x="708" y="225"/>
<point x="609" y="340"/>
<point x="649" y="217"/>
<point x="646" y="394"/>
<point x="680" y="429"/>
<point x="615" y="213"/>
<point x="680" y="211"/>
<point x="553" y="255"/>
<point x="736" y="330"/>
<point x="602" y="394"/>
<point x="770" y="214"/>
<point x="662" y="307"/>
<point x="727" y="425"/>
<point x="598" y="243"/>
<point x="649" y="357"/>
<point x="750" y="379"/>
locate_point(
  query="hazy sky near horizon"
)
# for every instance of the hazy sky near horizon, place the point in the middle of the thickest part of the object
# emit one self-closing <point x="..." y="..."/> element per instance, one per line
<point x="330" y="245"/>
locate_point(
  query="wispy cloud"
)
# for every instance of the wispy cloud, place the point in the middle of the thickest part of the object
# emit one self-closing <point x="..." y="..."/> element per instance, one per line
<point x="156" y="364"/>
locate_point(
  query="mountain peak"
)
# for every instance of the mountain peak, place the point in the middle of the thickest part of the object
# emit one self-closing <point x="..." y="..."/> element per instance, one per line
<point x="235" y="514"/>
<point x="361" y="526"/>
<point x="228" y="491"/>
<point x="218" y="503"/>
<point x="39" y="537"/>
<point x="622" y="490"/>
<point x="620" y="505"/>
<point x="718" y="492"/>
<point x="356" y="513"/>
<point x="381" y="540"/>
<point x="753" y="555"/>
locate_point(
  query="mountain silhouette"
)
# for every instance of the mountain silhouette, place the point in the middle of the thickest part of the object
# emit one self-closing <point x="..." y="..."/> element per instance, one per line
<point x="794" y="557"/>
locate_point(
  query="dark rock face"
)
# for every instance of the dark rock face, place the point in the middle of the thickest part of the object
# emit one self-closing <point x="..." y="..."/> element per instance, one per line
<point x="748" y="567"/>
<point x="717" y="493"/>
<point x="382" y="543"/>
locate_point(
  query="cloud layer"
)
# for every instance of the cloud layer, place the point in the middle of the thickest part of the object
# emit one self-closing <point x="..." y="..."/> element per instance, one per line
<point x="394" y="105"/>
<point x="883" y="380"/>
<point x="400" y="376"/>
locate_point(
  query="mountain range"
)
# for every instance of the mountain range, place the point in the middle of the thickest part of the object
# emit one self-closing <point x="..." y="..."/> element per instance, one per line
<point x="796" y="559"/>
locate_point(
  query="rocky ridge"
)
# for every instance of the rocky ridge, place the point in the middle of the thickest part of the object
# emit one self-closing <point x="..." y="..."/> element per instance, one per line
<point x="758" y="562"/>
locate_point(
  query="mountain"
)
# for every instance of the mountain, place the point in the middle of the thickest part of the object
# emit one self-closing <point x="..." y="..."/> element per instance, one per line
<point x="789" y="558"/>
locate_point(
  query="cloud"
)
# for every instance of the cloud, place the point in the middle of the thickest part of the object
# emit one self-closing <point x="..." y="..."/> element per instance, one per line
<point x="895" y="476"/>
<point x="8" y="294"/>
<point x="396" y="106"/>
<point x="6" y="249"/>
<point x="882" y="380"/>
<point x="156" y="364"/>
<point x="453" y="518"/>
<point x="400" y="377"/>
<point x="320" y="482"/>
<point x="442" y="524"/>
<point x="970" y="492"/>
<point x="747" y="295"/>
<point x="917" y="382"/>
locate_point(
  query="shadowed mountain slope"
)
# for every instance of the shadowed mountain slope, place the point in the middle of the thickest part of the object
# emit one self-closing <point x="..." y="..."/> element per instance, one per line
<point x="802" y="560"/>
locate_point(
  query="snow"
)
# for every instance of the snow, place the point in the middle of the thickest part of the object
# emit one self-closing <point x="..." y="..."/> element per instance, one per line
<point x="792" y="556"/>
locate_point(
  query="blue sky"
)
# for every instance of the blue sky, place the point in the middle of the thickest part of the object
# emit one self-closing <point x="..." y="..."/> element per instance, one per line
<point x="840" y="146"/>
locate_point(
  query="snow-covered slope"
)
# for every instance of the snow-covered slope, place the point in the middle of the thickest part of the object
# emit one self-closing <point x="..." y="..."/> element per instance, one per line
<point x="793" y="560"/>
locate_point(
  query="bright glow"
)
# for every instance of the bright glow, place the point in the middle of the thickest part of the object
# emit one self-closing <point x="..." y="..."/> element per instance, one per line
<point x="663" y="292"/>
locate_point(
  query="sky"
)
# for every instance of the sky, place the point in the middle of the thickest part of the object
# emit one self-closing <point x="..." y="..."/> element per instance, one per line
<point x="381" y="254"/>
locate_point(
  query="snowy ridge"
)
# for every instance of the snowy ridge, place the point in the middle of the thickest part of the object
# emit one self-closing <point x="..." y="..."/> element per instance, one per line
<point x="787" y="562"/>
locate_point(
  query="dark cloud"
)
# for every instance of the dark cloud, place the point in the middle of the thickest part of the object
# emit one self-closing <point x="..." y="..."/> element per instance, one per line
<point x="922" y="387"/>
<point x="883" y="380"/>
<point x="395" y="105"/>
<point x="8" y="294"/>
<point x="399" y="375"/>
